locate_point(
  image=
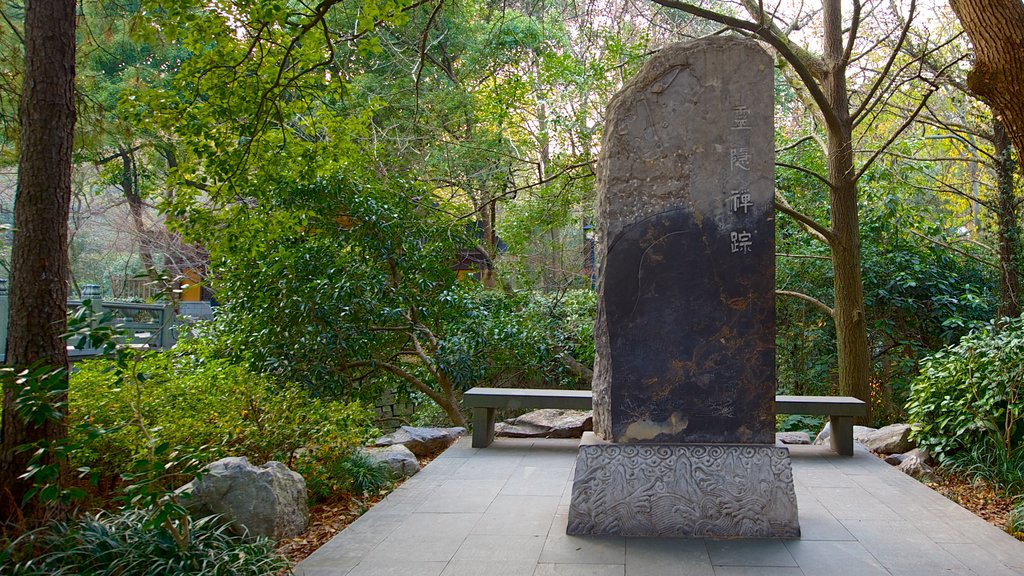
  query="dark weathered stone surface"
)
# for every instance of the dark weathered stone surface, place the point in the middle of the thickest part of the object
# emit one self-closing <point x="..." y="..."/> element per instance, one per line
<point x="688" y="490"/>
<point x="685" y="333"/>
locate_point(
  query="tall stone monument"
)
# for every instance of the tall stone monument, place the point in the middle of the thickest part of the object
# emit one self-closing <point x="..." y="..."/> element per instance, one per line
<point x="684" y="379"/>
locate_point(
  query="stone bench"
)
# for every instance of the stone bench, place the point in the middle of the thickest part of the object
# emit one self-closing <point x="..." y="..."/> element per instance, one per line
<point x="841" y="410"/>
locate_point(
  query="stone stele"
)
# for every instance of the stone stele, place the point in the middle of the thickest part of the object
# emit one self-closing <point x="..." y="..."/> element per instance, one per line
<point x="684" y="377"/>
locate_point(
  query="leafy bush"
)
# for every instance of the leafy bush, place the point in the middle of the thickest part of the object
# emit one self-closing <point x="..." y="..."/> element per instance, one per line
<point x="198" y="403"/>
<point x="1015" y="521"/>
<point x="128" y="543"/>
<point x="991" y="463"/>
<point x="971" y="390"/>
<point x="520" y="337"/>
<point x="328" y="470"/>
<point x="799" y="423"/>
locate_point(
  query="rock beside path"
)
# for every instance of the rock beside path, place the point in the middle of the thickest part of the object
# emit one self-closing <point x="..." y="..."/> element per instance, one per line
<point x="792" y="437"/>
<point x="267" y="500"/>
<point x="422" y="441"/>
<point x="397" y="457"/>
<point x="891" y="439"/>
<point x="547" y="423"/>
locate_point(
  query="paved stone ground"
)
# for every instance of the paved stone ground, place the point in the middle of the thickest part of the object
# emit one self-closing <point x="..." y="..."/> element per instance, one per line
<point x="502" y="510"/>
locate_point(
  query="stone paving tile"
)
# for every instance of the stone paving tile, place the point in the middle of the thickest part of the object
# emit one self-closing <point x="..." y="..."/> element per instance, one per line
<point x="820" y="558"/>
<point x="479" y="469"/>
<point x="579" y="570"/>
<point x="459" y="567"/>
<point x="501" y="547"/>
<point x="537" y="481"/>
<point x="817" y="523"/>
<point x="560" y="548"/>
<point x="397" y="568"/>
<point x="515" y="514"/>
<point x="852" y="504"/>
<point x="332" y="567"/>
<point x="749" y="553"/>
<point x="858" y="516"/>
<point x="904" y="549"/>
<point x="757" y="571"/>
<point x="667" y="557"/>
<point x="457" y="495"/>
<point x="425" y="537"/>
<point x="979" y="560"/>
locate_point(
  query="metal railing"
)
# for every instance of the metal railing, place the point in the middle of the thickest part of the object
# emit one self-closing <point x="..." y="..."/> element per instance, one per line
<point x="149" y="326"/>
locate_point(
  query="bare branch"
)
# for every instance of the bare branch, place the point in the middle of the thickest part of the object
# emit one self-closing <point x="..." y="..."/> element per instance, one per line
<point x="820" y="178"/>
<point x="816" y="230"/>
<point x="803" y="256"/>
<point x="948" y="246"/>
<point x="896" y="133"/>
<point x="888" y="65"/>
<point x="810" y="299"/>
<point x="803" y="63"/>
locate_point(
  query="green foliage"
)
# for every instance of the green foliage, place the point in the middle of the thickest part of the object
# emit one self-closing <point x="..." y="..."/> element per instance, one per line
<point x="518" y="339"/>
<point x="970" y="393"/>
<point x="799" y="423"/>
<point x="330" y="469"/>
<point x="990" y="462"/>
<point x="126" y="542"/>
<point x="198" y="403"/>
<point x="919" y="295"/>
<point x="1015" y="521"/>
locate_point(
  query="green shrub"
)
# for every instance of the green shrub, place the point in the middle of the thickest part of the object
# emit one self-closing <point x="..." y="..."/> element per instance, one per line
<point x="128" y="543"/>
<point x="990" y="462"/>
<point x="1015" y="521"/>
<point x="200" y="404"/>
<point x="799" y="423"/>
<point x="971" y="391"/>
<point x="331" y="468"/>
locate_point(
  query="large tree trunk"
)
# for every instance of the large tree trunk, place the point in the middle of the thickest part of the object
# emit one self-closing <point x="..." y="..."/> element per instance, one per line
<point x="136" y="208"/>
<point x="996" y="28"/>
<point x="1008" y="227"/>
<point x="39" y="258"/>
<point x="851" y="327"/>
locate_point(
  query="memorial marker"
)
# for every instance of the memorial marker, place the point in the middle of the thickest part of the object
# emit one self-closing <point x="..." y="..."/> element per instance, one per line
<point x="684" y="378"/>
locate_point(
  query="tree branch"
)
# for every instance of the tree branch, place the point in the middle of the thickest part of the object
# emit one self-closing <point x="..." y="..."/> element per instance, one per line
<point x="801" y="60"/>
<point x="810" y="299"/>
<point x="888" y="66"/>
<point x="816" y="230"/>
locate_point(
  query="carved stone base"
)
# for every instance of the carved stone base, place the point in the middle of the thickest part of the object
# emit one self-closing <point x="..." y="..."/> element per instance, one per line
<point x="684" y="490"/>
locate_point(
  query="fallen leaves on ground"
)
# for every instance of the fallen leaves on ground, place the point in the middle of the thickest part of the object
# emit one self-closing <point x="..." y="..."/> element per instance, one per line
<point x="986" y="502"/>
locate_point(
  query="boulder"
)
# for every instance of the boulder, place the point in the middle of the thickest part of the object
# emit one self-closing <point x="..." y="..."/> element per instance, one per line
<point x="859" y="432"/>
<point x="547" y="423"/>
<point x="916" y="466"/>
<point x="792" y="437"/>
<point x="895" y="459"/>
<point x="397" y="457"/>
<point x="923" y="454"/>
<point x="891" y="439"/>
<point x="422" y="441"/>
<point x="267" y="500"/>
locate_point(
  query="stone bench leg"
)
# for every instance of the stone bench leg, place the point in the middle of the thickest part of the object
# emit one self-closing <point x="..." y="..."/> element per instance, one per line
<point x="483" y="427"/>
<point x="842" y="435"/>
